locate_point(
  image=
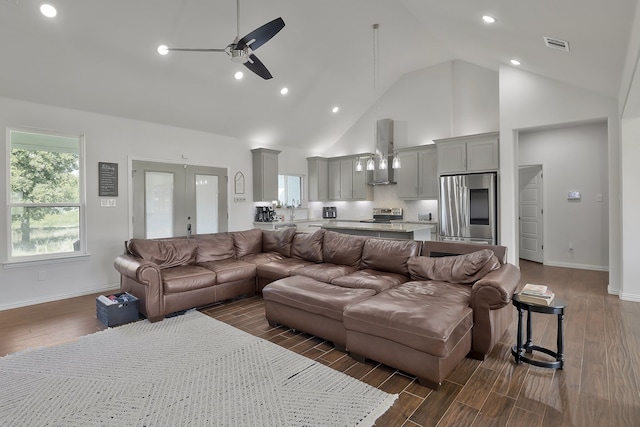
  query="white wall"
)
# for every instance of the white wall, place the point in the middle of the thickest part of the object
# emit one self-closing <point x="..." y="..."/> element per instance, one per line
<point x="573" y="158"/>
<point x="528" y="101"/>
<point x="630" y="208"/>
<point x="450" y="99"/>
<point x="117" y="140"/>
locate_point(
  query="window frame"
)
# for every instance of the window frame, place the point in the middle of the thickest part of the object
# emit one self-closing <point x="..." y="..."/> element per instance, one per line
<point x="81" y="204"/>
<point x="286" y="188"/>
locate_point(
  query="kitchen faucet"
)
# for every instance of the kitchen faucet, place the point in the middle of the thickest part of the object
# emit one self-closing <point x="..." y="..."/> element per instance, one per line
<point x="293" y="209"/>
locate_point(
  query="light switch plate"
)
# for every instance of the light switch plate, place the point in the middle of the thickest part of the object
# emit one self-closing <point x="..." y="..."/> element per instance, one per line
<point x="573" y="195"/>
<point x="107" y="203"/>
<point x="239" y="199"/>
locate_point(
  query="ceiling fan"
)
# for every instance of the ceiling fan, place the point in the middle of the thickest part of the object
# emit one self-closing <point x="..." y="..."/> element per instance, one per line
<point x="241" y="49"/>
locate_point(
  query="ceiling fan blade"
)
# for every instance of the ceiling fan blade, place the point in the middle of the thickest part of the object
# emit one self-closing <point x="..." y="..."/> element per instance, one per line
<point x="261" y="35"/>
<point x="255" y="65"/>
<point x="181" y="49"/>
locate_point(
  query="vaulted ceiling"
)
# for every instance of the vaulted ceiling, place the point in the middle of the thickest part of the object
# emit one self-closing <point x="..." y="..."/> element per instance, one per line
<point x="101" y="56"/>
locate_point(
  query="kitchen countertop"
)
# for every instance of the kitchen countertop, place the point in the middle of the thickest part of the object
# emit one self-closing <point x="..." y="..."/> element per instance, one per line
<point x="398" y="227"/>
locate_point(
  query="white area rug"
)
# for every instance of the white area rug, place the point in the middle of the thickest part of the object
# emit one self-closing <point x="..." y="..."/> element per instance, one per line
<point x="189" y="370"/>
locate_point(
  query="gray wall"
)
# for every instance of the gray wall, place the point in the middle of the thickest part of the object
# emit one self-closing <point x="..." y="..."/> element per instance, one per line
<point x="573" y="158"/>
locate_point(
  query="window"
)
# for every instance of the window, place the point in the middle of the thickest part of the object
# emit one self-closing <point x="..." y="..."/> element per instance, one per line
<point x="290" y="190"/>
<point x="46" y="202"/>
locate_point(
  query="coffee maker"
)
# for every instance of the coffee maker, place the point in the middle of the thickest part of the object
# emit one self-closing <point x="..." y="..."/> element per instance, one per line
<point x="329" y="212"/>
<point x="264" y="214"/>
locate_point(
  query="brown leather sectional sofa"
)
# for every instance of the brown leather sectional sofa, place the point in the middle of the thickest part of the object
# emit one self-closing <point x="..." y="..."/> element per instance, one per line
<point x="417" y="306"/>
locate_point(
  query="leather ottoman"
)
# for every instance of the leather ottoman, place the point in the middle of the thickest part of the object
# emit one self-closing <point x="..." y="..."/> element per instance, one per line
<point x="309" y="305"/>
<point x="421" y="328"/>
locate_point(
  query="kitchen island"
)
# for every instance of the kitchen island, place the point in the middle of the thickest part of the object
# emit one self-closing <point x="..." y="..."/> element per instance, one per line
<point x="391" y="231"/>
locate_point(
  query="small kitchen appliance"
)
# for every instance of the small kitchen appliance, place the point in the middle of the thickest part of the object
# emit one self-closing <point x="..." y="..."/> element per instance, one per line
<point x="329" y="212"/>
<point x="264" y="214"/>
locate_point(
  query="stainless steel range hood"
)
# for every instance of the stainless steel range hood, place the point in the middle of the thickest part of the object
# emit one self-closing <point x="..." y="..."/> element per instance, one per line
<point x="384" y="146"/>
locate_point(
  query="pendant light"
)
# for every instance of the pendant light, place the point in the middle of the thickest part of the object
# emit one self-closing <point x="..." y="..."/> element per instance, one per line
<point x="396" y="161"/>
<point x="359" y="165"/>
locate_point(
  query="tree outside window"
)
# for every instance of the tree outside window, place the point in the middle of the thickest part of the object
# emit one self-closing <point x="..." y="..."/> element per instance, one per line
<point x="45" y="187"/>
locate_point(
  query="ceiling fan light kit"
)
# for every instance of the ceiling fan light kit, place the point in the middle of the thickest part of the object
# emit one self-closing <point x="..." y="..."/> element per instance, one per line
<point x="241" y="49"/>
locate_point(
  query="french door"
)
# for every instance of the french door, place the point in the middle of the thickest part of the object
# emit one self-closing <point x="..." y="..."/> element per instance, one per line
<point x="171" y="200"/>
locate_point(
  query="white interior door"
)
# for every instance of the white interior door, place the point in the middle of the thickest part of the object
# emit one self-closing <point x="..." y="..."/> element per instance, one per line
<point x="172" y="200"/>
<point x="530" y="211"/>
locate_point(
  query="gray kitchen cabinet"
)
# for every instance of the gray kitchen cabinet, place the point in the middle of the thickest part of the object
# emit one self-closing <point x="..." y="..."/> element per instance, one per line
<point x="318" y="179"/>
<point x="418" y="176"/>
<point x="265" y="174"/>
<point x="466" y="154"/>
<point x="345" y="183"/>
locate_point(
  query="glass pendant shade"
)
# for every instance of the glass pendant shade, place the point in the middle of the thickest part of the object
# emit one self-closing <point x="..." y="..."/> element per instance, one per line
<point x="359" y="165"/>
<point x="396" y="162"/>
<point x="371" y="164"/>
<point x="383" y="162"/>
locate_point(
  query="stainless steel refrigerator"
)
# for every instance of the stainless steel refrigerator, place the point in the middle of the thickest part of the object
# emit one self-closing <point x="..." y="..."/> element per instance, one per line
<point x="468" y="208"/>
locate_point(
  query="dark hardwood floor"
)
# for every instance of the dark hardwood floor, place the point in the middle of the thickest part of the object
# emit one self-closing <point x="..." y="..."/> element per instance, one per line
<point x="598" y="387"/>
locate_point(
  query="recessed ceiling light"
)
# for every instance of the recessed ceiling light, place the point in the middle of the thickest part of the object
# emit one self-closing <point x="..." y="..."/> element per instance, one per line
<point x="163" y="49"/>
<point x="48" y="10"/>
<point x="515" y="62"/>
<point x="238" y="75"/>
<point x="335" y="110"/>
<point x="488" y="19"/>
<point x="284" y="91"/>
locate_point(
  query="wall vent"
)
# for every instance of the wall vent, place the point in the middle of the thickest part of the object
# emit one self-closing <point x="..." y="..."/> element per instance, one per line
<point x="556" y="44"/>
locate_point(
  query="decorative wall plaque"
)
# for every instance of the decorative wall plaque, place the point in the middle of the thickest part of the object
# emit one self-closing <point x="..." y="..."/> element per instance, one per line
<point x="107" y="179"/>
<point x="239" y="183"/>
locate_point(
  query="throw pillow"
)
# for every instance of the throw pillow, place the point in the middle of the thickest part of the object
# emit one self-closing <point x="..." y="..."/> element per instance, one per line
<point x="466" y="268"/>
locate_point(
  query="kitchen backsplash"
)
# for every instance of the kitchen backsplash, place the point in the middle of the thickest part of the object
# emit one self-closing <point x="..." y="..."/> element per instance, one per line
<point x="384" y="196"/>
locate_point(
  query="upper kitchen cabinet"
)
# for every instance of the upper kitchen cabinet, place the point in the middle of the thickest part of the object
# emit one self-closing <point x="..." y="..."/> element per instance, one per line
<point x="265" y="174"/>
<point x="318" y="181"/>
<point x="345" y="183"/>
<point x="418" y="176"/>
<point x="472" y="153"/>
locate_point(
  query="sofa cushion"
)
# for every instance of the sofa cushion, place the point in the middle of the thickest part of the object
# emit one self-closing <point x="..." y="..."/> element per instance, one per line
<point x="166" y="253"/>
<point x="316" y="297"/>
<point x="427" y="320"/>
<point x="389" y="255"/>
<point x="262" y="258"/>
<point x="467" y="268"/>
<point x="230" y="270"/>
<point x="308" y="246"/>
<point x="278" y="241"/>
<point x="342" y="249"/>
<point x="278" y="269"/>
<point x="185" y="278"/>
<point x="213" y="247"/>
<point x="324" y="272"/>
<point x="370" y="279"/>
<point x="247" y="242"/>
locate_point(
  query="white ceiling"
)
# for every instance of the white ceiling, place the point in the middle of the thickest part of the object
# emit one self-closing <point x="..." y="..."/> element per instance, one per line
<point x="101" y="56"/>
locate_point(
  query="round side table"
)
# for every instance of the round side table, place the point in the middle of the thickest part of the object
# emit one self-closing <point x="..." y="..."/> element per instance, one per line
<point x="518" y="351"/>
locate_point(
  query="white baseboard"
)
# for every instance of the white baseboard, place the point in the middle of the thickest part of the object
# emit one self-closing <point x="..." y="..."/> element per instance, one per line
<point x="578" y="266"/>
<point x="629" y="297"/>
<point x="58" y="297"/>
<point x="613" y="291"/>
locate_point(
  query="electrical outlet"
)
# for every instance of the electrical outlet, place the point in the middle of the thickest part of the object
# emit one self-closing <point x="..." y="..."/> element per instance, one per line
<point x="239" y="199"/>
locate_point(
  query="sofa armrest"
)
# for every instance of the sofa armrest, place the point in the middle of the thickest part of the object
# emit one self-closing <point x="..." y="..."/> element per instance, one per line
<point x="142" y="279"/>
<point x="492" y="315"/>
<point x="138" y="269"/>
<point x="495" y="290"/>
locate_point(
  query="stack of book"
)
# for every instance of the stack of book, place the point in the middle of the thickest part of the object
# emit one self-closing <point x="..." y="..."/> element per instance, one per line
<point x="536" y="294"/>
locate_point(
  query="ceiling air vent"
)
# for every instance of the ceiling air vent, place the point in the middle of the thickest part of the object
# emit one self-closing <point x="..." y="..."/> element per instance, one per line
<point x="556" y="44"/>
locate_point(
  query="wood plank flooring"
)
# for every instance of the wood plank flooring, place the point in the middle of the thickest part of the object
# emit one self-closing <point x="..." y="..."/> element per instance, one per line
<point x="598" y="387"/>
